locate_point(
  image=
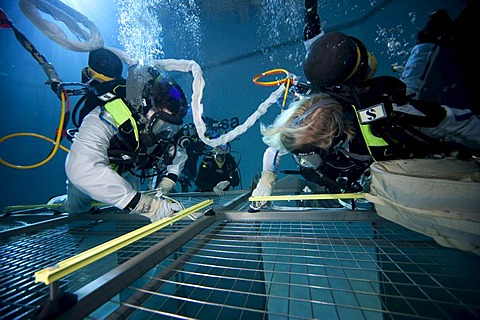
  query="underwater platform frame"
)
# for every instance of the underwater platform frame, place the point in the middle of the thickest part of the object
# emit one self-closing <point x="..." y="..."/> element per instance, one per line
<point x="292" y="260"/>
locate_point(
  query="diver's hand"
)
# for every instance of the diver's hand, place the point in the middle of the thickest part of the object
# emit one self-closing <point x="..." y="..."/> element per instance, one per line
<point x="166" y="185"/>
<point x="155" y="208"/>
<point x="219" y="188"/>
<point x="264" y="188"/>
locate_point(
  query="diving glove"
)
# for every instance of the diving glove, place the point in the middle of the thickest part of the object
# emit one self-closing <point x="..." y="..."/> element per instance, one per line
<point x="166" y="185"/>
<point x="263" y="188"/>
<point x="155" y="208"/>
<point x="60" y="201"/>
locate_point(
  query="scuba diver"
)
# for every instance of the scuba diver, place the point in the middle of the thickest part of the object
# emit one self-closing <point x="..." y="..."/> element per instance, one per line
<point x="104" y="75"/>
<point x="189" y="139"/>
<point x="125" y="140"/>
<point x="218" y="171"/>
<point x="345" y="118"/>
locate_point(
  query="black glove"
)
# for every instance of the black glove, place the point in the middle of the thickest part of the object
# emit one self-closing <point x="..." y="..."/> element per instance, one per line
<point x="312" y="20"/>
<point x="438" y="29"/>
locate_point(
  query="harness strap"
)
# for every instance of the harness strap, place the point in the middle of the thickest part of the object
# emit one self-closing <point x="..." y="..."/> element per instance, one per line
<point x="121" y="114"/>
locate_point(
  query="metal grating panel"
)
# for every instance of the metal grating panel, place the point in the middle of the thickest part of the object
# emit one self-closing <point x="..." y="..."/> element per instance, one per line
<point x="40" y="246"/>
<point x="24" y="255"/>
<point x="305" y="270"/>
<point x="328" y="264"/>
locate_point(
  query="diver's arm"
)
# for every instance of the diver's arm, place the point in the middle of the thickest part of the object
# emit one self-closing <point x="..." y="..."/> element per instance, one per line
<point x="264" y="187"/>
<point x="272" y="159"/>
<point x="416" y="68"/>
<point x="174" y="169"/>
<point x="88" y="166"/>
<point x="234" y="176"/>
<point x="312" y="29"/>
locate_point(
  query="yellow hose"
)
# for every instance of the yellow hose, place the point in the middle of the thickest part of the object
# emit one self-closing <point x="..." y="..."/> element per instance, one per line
<point x="56" y="142"/>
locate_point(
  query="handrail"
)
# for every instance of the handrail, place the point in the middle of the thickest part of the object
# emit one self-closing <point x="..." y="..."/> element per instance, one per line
<point x="70" y="265"/>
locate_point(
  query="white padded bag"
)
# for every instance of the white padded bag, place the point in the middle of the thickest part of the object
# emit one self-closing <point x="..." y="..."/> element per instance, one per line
<point x="439" y="198"/>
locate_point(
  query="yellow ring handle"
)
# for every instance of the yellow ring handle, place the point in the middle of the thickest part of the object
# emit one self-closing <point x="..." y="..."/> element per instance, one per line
<point x="275" y="82"/>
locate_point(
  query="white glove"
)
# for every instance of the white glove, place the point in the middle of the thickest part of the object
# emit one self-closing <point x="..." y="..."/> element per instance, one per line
<point x="218" y="189"/>
<point x="60" y="201"/>
<point x="264" y="188"/>
<point x="166" y="185"/>
<point x="155" y="208"/>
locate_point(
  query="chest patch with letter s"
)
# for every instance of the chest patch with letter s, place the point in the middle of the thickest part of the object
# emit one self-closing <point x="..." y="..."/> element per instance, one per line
<point x="372" y="113"/>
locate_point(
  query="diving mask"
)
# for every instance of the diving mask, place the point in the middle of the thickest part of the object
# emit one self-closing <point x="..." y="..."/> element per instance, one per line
<point x="309" y="160"/>
<point x="221" y="151"/>
<point x="158" y="130"/>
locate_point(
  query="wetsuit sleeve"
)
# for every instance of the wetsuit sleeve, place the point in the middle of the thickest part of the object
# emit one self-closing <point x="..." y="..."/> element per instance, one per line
<point x="312" y="20"/>
<point x="416" y="67"/>
<point x="234" y="177"/>
<point x="312" y="30"/>
<point x="87" y="165"/>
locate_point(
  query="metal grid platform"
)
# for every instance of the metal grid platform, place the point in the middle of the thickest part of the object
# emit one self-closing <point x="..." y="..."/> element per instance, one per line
<point x="322" y="264"/>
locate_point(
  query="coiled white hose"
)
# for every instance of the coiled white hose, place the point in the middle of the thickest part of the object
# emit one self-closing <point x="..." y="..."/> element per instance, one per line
<point x="93" y="40"/>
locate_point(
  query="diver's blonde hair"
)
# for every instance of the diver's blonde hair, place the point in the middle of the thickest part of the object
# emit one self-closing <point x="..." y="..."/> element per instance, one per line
<point x="318" y="129"/>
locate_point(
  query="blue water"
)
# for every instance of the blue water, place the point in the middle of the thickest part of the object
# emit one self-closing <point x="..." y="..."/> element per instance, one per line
<point x="232" y="41"/>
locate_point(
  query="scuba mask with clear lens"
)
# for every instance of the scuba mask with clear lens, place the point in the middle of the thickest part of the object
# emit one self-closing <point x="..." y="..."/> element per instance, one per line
<point x="310" y="160"/>
<point x="219" y="157"/>
<point x="221" y="151"/>
<point x="158" y="130"/>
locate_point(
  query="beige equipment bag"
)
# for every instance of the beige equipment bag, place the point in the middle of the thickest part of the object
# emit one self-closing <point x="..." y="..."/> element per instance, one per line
<point x="439" y="198"/>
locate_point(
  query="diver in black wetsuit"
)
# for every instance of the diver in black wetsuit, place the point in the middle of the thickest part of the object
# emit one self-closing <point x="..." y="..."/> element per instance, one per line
<point x="388" y="121"/>
<point x="218" y="171"/>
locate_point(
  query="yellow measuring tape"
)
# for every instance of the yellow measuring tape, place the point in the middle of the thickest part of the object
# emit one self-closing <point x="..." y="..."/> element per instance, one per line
<point x="321" y="196"/>
<point x="70" y="265"/>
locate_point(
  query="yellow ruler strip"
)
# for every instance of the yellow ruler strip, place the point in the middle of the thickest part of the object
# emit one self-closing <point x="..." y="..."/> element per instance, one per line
<point x="70" y="265"/>
<point x="319" y="196"/>
<point x="46" y="206"/>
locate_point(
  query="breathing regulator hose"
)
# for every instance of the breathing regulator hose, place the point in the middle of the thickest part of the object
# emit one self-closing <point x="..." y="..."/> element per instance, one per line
<point x="289" y="80"/>
<point x="49" y="70"/>
<point x="55" y="142"/>
<point x="93" y="40"/>
<point x="197" y="106"/>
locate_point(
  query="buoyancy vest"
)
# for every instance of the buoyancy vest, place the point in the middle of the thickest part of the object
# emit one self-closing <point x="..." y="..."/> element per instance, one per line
<point x="126" y="151"/>
<point x="125" y="123"/>
<point x="101" y="93"/>
<point x="389" y="134"/>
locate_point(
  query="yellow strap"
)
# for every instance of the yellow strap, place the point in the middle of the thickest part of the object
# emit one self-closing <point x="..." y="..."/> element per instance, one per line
<point x="98" y="75"/>
<point x="316" y="196"/>
<point x="357" y="64"/>
<point x="370" y="138"/>
<point x="121" y="114"/>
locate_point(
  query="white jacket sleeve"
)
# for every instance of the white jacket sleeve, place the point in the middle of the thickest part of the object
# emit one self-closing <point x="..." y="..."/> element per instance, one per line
<point x="270" y="163"/>
<point x="87" y="165"/>
<point x="308" y="43"/>
<point x="178" y="162"/>
<point x="415" y="66"/>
